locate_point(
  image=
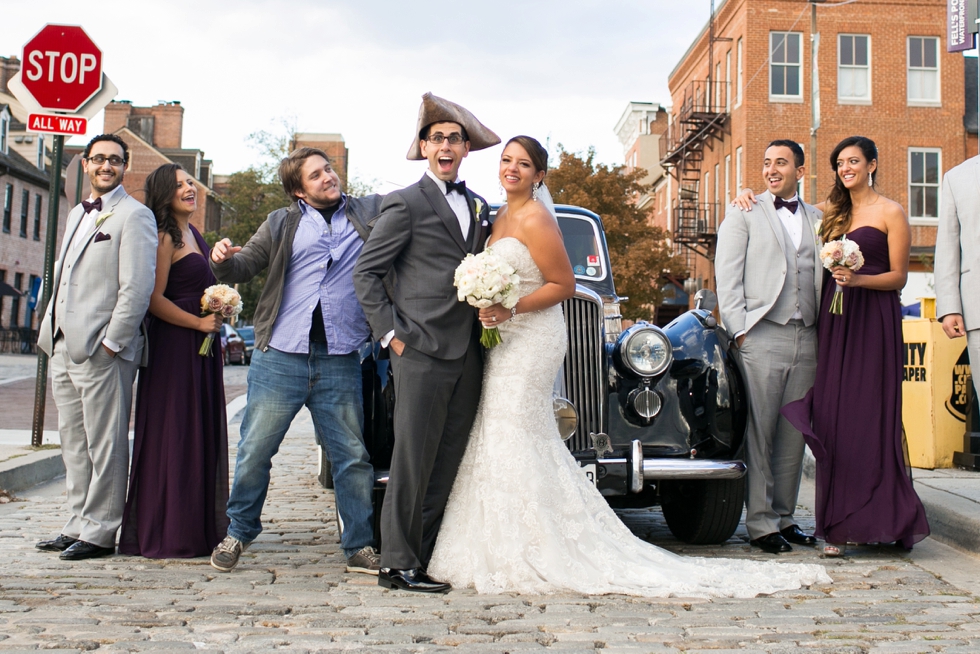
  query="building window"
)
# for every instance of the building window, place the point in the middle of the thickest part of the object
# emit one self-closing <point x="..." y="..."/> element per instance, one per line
<point x="25" y="200"/>
<point x="15" y="301"/>
<point x="738" y="81"/>
<point x="728" y="81"/>
<point x="853" y="67"/>
<point x="738" y="170"/>
<point x="8" y="201"/>
<point x="924" y="178"/>
<point x="923" y="73"/>
<point x="40" y="153"/>
<point x="707" y="196"/>
<point x="784" y="65"/>
<point x="4" y="130"/>
<point x="37" y="216"/>
<point x="32" y="283"/>
<point x="728" y="179"/>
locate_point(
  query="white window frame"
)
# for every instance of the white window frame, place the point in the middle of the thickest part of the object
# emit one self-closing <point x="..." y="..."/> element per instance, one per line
<point x="738" y="170"/>
<point x="41" y="162"/>
<point x="715" y="208"/>
<point x="925" y="220"/>
<point x="739" y="70"/>
<point x="4" y="131"/>
<point x="853" y="99"/>
<point x="922" y="102"/>
<point x="728" y="180"/>
<point x="728" y="81"/>
<point x="786" y="97"/>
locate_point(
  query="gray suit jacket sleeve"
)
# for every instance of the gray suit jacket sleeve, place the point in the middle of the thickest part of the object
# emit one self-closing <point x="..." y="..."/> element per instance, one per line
<point x="391" y="233"/>
<point x="733" y="243"/>
<point x="137" y="275"/>
<point x="252" y="259"/>
<point x="948" y="254"/>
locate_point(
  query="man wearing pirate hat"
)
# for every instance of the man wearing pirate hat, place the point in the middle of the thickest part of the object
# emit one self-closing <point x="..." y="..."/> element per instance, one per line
<point x="420" y="236"/>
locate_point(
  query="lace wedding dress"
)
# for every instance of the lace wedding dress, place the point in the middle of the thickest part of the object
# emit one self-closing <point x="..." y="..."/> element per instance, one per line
<point x="524" y="518"/>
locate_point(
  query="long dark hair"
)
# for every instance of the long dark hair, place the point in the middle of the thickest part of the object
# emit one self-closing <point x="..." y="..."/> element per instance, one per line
<point x="838" y="212"/>
<point x="161" y="186"/>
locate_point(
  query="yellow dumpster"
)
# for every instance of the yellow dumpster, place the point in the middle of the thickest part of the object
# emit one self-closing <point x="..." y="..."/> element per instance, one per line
<point x="934" y="390"/>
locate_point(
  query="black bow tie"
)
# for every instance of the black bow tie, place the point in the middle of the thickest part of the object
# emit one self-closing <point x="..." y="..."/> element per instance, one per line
<point x="787" y="204"/>
<point x="94" y="204"/>
<point x="459" y="187"/>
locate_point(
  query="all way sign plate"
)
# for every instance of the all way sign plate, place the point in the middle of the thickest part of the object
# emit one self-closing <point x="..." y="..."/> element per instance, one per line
<point x="55" y="124"/>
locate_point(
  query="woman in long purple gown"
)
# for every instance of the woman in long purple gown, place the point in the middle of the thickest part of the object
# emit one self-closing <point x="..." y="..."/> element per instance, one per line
<point x="178" y="487"/>
<point x="852" y="418"/>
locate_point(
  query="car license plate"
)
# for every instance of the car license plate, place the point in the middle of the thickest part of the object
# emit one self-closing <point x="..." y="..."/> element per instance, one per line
<point x="589" y="470"/>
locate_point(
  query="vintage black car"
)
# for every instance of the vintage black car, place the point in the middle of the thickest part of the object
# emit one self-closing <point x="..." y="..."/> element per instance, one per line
<point x="652" y="415"/>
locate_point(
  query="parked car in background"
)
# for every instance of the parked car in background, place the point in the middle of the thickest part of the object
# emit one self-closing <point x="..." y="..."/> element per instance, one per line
<point x="232" y="345"/>
<point x="247" y="332"/>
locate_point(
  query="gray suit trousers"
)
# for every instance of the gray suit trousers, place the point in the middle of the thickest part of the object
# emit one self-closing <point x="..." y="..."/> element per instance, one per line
<point x="780" y="363"/>
<point x="434" y="412"/>
<point x="94" y="399"/>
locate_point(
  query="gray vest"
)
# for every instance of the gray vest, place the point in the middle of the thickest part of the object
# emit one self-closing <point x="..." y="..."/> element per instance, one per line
<point x="797" y="293"/>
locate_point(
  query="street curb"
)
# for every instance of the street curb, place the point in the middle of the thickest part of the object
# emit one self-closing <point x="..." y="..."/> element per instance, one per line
<point x="952" y="519"/>
<point x="26" y="471"/>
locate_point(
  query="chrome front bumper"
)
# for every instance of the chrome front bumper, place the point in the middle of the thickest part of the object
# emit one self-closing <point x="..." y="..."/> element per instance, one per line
<point x="642" y="469"/>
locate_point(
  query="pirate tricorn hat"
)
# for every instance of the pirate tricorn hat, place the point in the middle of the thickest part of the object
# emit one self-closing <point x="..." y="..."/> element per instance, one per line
<point x="437" y="110"/>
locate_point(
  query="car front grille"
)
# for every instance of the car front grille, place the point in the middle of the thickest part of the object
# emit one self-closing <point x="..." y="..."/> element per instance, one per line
<point x="582" y="380"/>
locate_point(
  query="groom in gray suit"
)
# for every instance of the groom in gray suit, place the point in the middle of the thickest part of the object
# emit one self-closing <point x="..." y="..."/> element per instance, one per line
<point x="421" y="235"/>
<point x="767" y="269"/>
<point x="958" y="257"/>
<point x="92" y="332"/>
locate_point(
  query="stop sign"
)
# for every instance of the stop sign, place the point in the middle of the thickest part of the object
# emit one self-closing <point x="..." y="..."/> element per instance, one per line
<point x="62" y="68"/>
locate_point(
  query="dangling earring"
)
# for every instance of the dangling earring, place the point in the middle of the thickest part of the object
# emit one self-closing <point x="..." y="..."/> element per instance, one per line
<point x="871" y="181"/>
<point x="534" y="190"/>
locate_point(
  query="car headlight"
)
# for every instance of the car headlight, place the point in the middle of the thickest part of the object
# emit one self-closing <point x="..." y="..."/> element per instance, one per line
<point x="645" y="350"/>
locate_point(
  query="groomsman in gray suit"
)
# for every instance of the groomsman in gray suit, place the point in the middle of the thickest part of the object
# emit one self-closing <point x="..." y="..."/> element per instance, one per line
<point x="92" y="332"/>
<point x="958" y="258"/>
<point x="767" y="269"/>
<point x="421" y="235"/>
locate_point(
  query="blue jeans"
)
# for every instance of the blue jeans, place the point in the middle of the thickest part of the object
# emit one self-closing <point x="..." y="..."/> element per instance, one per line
<point x="279" y="384"/>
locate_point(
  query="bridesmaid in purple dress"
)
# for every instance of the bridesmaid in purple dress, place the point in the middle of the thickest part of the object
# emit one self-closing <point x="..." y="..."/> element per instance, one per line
<point x="852" y="418"/>
<point x="178" y="484"/>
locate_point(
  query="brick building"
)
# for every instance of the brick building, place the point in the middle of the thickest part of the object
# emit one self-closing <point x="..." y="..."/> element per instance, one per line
<point x="155" y="137"/>
<point x="884" y="73"/>
<point x="24" y="202"/>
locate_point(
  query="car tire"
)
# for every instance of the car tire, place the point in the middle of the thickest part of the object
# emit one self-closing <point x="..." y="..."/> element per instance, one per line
<point x="703" y="511"/>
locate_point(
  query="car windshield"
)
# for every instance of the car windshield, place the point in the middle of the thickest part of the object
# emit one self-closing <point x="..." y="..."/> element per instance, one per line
<point x="582" y="243"/>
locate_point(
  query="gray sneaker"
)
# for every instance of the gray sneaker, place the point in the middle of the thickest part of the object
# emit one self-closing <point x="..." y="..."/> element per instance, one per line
<point x="225" y="555"/>
<point x="366" y="561"/>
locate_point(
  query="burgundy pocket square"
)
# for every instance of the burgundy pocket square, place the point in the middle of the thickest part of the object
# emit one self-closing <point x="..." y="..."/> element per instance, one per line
<point x="102" y="237"/>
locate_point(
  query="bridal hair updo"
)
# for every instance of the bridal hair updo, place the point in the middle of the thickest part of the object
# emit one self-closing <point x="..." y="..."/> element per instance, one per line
<point x="161" y="187"/>
<point x="838" y="211"/>
<point x="536" y="151"/>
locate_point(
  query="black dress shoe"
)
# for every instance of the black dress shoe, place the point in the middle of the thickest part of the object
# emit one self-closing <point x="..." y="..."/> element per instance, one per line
<point x="774" y="543"/>
<point x="797" y="536"/>
<point x="59" y="544"/>
<point x="412" y="579"/>
<point x="82" y="550"/>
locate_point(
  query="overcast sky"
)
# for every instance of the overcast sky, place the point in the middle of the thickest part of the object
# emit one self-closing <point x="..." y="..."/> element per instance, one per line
<point x="561" y="70"/>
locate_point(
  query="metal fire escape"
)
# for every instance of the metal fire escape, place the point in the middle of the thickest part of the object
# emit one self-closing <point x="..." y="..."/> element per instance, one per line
<point x="701" y="119"/>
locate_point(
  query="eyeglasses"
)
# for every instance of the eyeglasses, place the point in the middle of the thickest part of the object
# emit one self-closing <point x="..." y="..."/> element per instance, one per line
<point x="100" y="159"/>
<point x="454" y="139"/>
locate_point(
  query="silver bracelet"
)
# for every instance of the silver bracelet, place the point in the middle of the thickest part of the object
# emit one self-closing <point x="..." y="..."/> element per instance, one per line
<point x="513" y="311"/>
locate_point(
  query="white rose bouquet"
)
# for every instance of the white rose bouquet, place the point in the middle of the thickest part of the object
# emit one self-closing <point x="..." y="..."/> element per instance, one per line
<point x="845" y="253"/>
<point x="483" y="280"/>
<point x="222" y="299"/>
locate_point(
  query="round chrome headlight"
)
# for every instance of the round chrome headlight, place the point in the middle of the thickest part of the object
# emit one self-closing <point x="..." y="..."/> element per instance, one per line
<point x="566" y="416"/>
<point x="645" y="350"/>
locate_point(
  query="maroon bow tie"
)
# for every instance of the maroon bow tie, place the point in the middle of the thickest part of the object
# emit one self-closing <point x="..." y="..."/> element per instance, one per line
<point x="94" y="204"/>
<point x="787" y="204"/>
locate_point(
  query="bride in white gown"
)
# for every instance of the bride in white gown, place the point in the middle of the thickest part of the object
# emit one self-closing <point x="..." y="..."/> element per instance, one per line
<point x="522" y="516"/>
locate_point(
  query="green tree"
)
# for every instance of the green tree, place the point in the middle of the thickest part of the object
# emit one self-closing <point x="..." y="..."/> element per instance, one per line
<point x="639" y="252"/>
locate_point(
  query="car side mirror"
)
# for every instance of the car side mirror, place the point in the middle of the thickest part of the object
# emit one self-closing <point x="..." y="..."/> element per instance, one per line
<point x="705" y="299"/>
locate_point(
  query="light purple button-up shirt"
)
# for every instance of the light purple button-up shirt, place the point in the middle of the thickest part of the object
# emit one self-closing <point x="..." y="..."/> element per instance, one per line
<point x="321" y="269"/>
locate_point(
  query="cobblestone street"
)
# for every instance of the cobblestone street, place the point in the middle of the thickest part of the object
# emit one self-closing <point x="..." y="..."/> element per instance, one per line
<point x="290" y="593"/>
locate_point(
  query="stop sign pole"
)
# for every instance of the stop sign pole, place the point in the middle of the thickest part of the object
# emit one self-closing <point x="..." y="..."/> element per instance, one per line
<point x="61" y="85"/>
